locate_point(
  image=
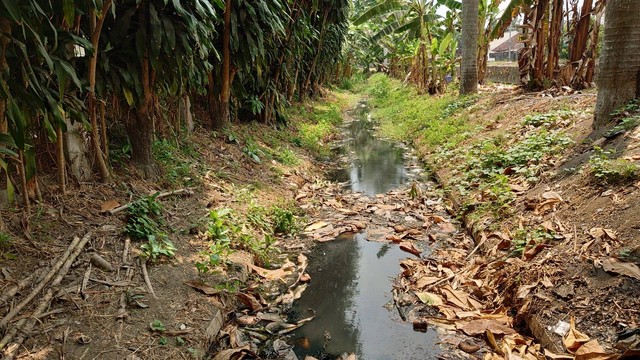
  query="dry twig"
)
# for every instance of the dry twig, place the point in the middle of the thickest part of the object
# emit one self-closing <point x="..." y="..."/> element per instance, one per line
<point x="25" y="325"/>
<point x="160" y="196"/>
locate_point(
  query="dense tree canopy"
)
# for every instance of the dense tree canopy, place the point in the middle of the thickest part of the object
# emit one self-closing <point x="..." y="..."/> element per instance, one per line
<point x="64" y="62"/>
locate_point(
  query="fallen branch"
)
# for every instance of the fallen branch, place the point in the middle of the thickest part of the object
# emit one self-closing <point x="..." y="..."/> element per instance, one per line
<point x="4" y="298"/>
<point x="56" y="267"/>
<point x="145" y="275"/>
<point x="85" y="282"/>
<point x="160" y="196"/>
<point x="122" y="311"/>
<point x="28" y="323"/>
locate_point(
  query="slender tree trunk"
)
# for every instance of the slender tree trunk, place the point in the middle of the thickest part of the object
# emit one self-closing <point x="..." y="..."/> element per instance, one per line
<point x="62" y="179"/>
<point x="581" y="34"/>
<point x="555" y="32"/>
<point x="140" y="129"/>
<point x="222" y="114"/>
<point x="540" y="28"/>
<point x="618" y="76"/>
<point x="103" y="131"/>
<point x="96" y="29"/>
<point x="469" y="67"/>
<point x="23" y="181"/>
<point x="307" y="82"/>
<point x="5" y="38"/>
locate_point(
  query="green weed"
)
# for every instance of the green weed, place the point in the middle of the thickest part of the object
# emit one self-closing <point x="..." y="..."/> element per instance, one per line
<point x="548" y="120"/>
<point x="524" y="238"/>
<point x="605" y="167"/>
<point x="284" y="221"/>
<point x="406" y="115"/>
<point x="143" y="223"/>
<point x="286" y="156"/>
<point x="253" y="151"/>
<point x="175" y="162"/>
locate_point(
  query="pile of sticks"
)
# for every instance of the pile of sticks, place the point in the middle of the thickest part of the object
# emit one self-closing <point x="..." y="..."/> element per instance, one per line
<point x="16" y="332"/>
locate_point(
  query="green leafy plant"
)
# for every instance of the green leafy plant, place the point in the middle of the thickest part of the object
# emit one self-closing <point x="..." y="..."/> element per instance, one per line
<point x="524" y="238"/>
<point x="547" y="119"/>
<point x="286" y="156"/>
<point x="253" y="151"/>
<point x="283" y="221"/>
<point x="157" y="325"/>
<point x="143" y="223"/>
<point x="177" y="169"/>
<point x="604" y="166"/>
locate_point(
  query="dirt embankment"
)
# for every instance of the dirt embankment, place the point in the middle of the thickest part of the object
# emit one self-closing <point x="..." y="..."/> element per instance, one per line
<point x="232" y="216"/>
<point x="556" y="222"/>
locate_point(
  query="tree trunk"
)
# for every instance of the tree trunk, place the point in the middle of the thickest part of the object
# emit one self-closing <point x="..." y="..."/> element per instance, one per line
<point x="323" y="30"/>
<point x="469" y="66"/>
<point x="222" y="115"/>
<point x="92" y="107"/>
<point x="555" y="29"/>
<point x="618" y="76"/>
<point x="581" y="34"/>
<point x="62" y="179"/>
<point x="103" y="131"/>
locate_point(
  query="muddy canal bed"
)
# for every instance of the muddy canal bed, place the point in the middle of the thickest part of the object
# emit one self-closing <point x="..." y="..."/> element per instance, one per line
<point x="351" y="292"/>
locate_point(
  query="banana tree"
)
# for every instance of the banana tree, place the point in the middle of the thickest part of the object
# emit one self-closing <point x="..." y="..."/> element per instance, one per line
<point x="487" y="19"/>
<point x="415" y="20"/>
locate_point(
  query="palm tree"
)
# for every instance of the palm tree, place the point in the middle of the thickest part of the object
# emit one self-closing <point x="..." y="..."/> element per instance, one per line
<point x="618" y="76"/>
<point x="416" y="21"/>
<point x="469" y="67"/>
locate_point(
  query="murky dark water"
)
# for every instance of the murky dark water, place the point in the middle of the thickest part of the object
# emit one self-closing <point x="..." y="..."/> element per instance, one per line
<point x="375" y="166"/>
<point x="352" y="277"/>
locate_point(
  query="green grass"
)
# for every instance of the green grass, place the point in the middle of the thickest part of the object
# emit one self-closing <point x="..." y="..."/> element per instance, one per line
<point x="177" y="162"/>
<point x="317" y="125"/>
<point x="405" y="115"/>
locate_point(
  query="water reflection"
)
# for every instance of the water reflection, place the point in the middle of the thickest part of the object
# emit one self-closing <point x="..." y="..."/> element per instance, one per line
<point x="377" y="165"/>
<point x="350" y="288"/>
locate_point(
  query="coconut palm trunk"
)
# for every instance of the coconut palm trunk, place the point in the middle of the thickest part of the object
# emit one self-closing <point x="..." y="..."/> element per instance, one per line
<point x="469" y="67"/>
<point x="618" y="75"/>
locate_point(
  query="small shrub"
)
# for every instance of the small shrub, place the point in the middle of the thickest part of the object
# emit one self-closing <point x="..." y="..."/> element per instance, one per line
<point x="143" y="223"/>
<point x="547" y="119"/>
<point x="379" y="86"/>
<point x="177" y="170"/>
<point x="284" y="221"/>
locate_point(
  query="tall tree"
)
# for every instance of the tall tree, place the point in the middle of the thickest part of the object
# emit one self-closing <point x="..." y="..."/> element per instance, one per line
<point x="469" y="67"/>
<point x="618" y="75"/>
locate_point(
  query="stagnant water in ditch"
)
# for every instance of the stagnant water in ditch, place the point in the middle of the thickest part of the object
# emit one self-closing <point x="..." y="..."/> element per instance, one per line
<point x="351" y="287"/>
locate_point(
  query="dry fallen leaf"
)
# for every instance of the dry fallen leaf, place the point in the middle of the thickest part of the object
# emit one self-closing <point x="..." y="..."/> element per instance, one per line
<point x="574" y="338"/>
<point x="426" y="281"/>
<point x="603" y="234"/>
<point x="109" y="205"/>
<point x="593" y="351"/>
<point x="410" y="248"/>
<point x="279" y="274"/>
<point x="249" y="301"/>
<point x="447" y="227"/>
<point x="480" y="326"/>
<point x="199" y="285"/>
<point x="316" y="226"/>
<point x="429" y="298"/>
<point x="623" y="268"/>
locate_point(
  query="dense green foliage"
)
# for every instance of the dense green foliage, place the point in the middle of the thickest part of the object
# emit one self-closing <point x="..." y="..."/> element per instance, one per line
<point x="113" y="65"/>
